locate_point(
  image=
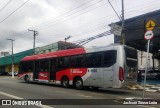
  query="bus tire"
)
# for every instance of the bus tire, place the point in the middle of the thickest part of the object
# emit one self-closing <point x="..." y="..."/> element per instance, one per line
<point x="78" y="83"/>
<point x="65" y="82"/>
<point x="26" y="78"/>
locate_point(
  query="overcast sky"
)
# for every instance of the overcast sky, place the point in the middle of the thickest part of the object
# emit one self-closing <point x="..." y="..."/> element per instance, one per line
<point x="57" y="19"/>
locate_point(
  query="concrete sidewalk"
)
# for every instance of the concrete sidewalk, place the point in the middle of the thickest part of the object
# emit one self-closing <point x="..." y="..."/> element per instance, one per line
<point x="148" y="87"/>
<point x="8" y="77"/>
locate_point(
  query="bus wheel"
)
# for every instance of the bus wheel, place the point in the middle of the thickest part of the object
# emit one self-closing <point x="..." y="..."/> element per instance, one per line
<point x="65" y="82"/>
<point x="26" y="78"/>
<point x="78" y="83"/>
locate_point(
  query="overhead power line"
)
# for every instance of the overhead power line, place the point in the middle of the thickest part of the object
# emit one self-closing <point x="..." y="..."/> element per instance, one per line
<point x="115" y="11"/>
<point x="86" y="40"/>
<point x="47" y="22"/>
<point x="69" y="15"/>
<point x="55" y="22"/>
<point x="5" y="5"/>
<point x="14" y="11"/>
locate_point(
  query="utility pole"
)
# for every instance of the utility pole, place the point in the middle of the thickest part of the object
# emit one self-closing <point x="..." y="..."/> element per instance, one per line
<point x="35" y="33"/>
<point x="122" y="34"/>
<point x="122" y="38"/>
<point x="65" y="39"/>
<point x="12" y="58"/>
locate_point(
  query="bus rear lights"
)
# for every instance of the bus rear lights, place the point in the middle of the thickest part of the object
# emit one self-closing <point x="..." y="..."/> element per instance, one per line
<point x="121" y="74"/>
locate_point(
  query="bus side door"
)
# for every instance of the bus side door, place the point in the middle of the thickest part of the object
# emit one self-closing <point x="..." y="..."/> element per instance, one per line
<point x="36" y="70"/>
<point x="53" y="69"/>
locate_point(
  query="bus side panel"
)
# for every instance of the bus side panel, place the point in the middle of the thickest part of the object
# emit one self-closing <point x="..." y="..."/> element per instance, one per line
<point x="94" y="77"/>
<point x="71" y="73"/>
<point x="22" y="76"/>
<point x="108" y="76"/>
<point x="43" y="76"/>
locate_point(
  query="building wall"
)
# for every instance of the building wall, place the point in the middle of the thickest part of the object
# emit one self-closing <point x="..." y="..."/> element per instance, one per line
<point x="47" y="48"/>
<point x="142" y="60"/>
<point x="8" y="68"/>
<point x="6" y="62"/>
<point x="60" y="45"/>
<point x="3" y="54"/>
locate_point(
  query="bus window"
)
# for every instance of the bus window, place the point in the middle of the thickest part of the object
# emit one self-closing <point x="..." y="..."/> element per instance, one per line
<point x="93" y="60"/>
<point x="30" y="66"/>
<point x="26" y="66"/>
<point x="88" y="60"/>
<point x="23" y="67"/>
<point x="67" y="62"/>
<point x="77" y="61"/>
<point x="131" y="57"/>
<point x="44" y="65"/>
<point x="110" y="58"/>
<point x="97" y="60"/>
<point x="61" y="63"/>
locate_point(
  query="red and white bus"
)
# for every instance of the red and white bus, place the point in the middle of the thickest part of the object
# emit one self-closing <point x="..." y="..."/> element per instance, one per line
<point x="100" y="67"/>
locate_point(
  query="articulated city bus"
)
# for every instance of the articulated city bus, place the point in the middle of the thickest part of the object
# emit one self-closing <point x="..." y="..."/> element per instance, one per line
<point x="100" y="67"/>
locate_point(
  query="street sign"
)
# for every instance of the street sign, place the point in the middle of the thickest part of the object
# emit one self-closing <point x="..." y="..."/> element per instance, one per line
<point x="150" y="25"/>
<point x="116" y="29"/>
<point x="148" y="35"/>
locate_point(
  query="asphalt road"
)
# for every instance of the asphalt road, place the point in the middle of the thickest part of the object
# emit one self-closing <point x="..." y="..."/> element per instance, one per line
<point x="14" y="89"/>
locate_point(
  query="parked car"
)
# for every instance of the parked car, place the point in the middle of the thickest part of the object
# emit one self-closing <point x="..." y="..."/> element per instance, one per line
<point x="139" y="74"/>
<point x="2" y="73"/>
<point x="151" y="74"/>
<point x="10" y="73"/>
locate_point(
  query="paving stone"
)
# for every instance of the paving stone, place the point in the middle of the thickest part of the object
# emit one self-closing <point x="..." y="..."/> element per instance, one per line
<point x="150" y="90"/>
<point x="149" y="85"/>
<point x="155" y="88"/>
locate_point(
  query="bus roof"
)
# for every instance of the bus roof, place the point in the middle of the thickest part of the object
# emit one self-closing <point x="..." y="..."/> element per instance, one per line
<point x="69" y="52"/>
<point x="60" y="53"/>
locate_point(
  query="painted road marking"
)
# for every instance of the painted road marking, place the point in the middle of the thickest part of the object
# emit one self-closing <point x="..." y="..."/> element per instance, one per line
<point x="16" y="97"/>
<point x="96" y="94"/>
<point x="84" y="96"/>
<point x="146" y="106"/>
<point x="9" y="95"/>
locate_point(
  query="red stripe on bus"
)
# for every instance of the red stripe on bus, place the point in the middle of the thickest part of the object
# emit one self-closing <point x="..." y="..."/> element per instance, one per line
<point x="60" y="53"/>
<point x="71" y="73"/>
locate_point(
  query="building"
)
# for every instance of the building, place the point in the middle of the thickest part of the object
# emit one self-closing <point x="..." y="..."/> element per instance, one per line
<point x="6" y="61"/>
<point x="134" y="31"/>
<point x="60" y="45"/>
<point x="142" y="60"/>
<point x="3" y="53"/>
